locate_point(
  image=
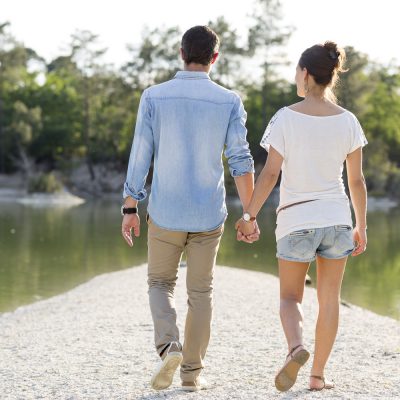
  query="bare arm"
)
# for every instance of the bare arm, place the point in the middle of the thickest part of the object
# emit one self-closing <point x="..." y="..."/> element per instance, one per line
<point x="245" y="186"/>
<point x="263" y="188"/>
<point x="358" y="194"/>
<point x="266" y="181"/>
<point x="130" y="202"/>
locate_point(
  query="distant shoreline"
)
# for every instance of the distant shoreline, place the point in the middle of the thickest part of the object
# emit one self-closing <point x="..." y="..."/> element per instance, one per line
<point x="12" y="188"/>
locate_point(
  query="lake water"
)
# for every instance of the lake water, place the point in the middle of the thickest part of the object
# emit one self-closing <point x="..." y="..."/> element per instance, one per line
<point x="47" y="251"/>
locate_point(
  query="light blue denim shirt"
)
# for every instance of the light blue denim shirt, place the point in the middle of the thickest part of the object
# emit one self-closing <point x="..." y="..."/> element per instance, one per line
<point x="187" y="123"/>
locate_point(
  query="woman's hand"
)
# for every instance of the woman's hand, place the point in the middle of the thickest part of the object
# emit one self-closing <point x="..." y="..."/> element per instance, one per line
<point x="360" y="238"/>
<point x="247" y="231"/>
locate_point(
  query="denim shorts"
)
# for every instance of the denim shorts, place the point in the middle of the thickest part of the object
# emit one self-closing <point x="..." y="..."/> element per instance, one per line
<point x="304" y="245"/>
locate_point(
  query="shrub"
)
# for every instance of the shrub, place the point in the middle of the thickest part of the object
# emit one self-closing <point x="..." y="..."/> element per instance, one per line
<point x="393" y="186"/>
<point x="44" y="183"/>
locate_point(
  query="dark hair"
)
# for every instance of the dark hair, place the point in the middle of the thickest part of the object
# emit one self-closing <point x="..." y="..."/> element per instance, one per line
<point x="199" y="44"/>
<point x="323" y="62"/>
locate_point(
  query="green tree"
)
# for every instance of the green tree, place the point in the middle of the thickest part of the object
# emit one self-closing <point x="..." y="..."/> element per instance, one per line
<point x="228" y="69"/>
<point x="281" y="93"/>
<point x="61" y="136"/>
<point x="15" y="81"/>
<point x="354" y="84"/>
<point x="3" y="40"/>
<point x="25" y="125"/>
<point x="86" y="54"/>
<point x="155" y="60"/>
<point x="267" y="36"/>
<point x="377" y="166"/>
<point x="382" y="119"/>
<point x="114" y="119"/>
<point x="381" y="123"/>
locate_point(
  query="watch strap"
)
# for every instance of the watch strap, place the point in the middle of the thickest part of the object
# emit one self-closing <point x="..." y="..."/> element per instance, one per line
<point x="129" y="210"/>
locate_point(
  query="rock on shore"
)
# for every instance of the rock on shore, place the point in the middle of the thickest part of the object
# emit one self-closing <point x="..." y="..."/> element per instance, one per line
<point x="63" y="199"/>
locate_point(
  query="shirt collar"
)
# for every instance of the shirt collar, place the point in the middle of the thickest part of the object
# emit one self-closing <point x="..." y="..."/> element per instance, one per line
<point x="191" y="75"/>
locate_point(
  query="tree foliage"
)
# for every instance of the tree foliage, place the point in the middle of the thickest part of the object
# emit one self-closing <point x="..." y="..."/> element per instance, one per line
<point x="76" y="109"/>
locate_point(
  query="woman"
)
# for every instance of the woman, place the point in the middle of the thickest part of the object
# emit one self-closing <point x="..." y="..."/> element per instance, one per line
<point x="310" y="141"/>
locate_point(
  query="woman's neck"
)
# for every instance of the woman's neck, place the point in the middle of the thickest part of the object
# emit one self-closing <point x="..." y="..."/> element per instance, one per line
<point x="316" y="98"/>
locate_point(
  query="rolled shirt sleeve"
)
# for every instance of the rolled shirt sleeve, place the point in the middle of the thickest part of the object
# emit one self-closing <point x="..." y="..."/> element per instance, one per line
<point x="141" y="152"/>
<point x="237" y="149"/>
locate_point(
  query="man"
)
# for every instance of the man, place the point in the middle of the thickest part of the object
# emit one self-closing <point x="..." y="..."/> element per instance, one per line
<point x="186" y="123"/>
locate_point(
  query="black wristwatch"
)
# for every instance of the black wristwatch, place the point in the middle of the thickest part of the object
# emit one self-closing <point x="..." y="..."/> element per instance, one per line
<point x="130" y="210"/>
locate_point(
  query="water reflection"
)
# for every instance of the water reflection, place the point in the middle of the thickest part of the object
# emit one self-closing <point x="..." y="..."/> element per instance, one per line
<point x="46" y="251"/>
<point x="50" y="250"/>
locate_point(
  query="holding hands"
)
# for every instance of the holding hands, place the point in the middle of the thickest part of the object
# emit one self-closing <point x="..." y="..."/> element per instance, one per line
<point x="247" y="229"/>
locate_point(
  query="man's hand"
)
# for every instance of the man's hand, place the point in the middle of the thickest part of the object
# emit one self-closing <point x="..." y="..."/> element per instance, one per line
<point x="129" y="222"/>
<point x="247" y="232"/>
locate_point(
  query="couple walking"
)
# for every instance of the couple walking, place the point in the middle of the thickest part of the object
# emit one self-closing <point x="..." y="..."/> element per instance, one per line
<point x="186" y="124"/>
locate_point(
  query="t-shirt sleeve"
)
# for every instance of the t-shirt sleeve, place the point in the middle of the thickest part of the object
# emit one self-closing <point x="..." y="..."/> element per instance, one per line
<point x="358" y="137"/>
<point x="274" y="134"/>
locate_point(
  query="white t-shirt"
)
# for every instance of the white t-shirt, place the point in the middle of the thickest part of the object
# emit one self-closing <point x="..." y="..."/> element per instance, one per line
<point x="314" y="149"/>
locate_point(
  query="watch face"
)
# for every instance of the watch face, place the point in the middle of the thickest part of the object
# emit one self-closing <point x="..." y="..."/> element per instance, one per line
<point x="246" y="217"/>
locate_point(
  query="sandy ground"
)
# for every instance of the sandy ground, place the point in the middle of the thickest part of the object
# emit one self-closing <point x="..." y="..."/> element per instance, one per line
<point x="96" y="342"/>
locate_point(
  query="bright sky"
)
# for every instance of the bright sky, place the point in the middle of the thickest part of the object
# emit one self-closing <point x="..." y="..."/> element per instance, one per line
<point x="370" y="26"/>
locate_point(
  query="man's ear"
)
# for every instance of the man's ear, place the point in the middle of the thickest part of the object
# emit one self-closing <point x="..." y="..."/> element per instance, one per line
<point x="214" y="58"/>
<point x="182" y="54"/>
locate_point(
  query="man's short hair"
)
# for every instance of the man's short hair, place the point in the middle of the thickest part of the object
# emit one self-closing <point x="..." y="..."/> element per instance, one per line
<point x="199" y="44"/>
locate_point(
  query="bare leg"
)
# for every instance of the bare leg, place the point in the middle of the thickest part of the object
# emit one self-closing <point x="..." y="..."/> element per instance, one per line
<point x="329" y="282"/>
<point x="292" y="277"/>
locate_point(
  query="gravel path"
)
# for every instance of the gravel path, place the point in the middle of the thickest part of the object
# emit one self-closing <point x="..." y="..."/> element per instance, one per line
<point x="95" y="342"/>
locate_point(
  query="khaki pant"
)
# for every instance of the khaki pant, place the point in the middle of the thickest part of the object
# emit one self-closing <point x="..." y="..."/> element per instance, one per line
<point x="165" y="250"/>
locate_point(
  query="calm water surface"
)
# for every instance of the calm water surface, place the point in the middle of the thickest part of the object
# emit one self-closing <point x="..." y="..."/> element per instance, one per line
<point x="46" y="251"/>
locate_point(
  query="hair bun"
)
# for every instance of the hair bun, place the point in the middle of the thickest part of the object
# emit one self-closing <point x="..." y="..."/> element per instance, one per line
<point x="331" y="46"/>
<point x="323" y="62"/>
<point x="336" y="54"/>
<point x="333" y="51"/>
